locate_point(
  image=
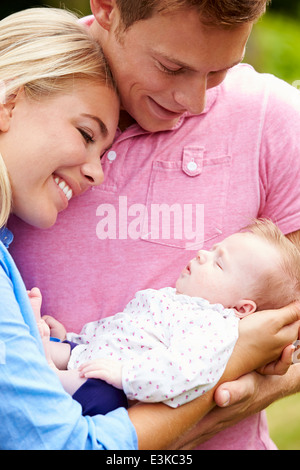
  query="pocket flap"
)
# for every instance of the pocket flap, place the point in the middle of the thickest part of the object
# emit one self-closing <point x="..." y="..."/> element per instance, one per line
<point x="192" y="162"/>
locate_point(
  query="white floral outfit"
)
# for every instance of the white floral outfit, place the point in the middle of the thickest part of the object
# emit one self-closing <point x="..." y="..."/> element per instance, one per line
<point x="173" y="347"/>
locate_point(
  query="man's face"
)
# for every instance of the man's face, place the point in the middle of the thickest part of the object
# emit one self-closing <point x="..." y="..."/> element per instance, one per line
<point x="164" y="65"/>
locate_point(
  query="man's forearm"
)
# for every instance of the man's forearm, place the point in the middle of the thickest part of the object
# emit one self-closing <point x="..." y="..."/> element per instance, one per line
<point x="248" y="395"/>
<point x="160" y="427"/>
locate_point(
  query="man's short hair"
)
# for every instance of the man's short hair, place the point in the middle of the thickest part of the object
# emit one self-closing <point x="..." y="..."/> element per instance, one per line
<point x="219" y="13"/>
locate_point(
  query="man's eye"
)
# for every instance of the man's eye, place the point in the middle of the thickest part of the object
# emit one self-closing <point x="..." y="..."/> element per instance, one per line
<point x="170" y="71"/>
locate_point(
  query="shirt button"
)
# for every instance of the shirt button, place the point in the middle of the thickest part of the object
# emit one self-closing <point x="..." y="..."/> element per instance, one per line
<point x="111" y="156"/>
<point x="192" y="166"/>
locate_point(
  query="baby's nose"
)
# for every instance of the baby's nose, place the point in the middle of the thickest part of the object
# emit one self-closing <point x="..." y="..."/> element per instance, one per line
<point x="202" y="256"/>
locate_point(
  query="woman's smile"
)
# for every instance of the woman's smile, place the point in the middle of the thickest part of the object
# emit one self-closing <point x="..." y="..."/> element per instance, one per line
<point x="62" y="163"/>
<point x="64" y="187"/>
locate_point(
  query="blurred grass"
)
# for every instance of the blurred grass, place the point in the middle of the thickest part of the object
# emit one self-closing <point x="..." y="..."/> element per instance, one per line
<point x="284" y="422"/>
<point x="274" y="46"/>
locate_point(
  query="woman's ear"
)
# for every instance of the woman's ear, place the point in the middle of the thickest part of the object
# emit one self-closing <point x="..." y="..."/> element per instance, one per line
<point x="7" y="108"/>
<point x="6" y="111"/>
<point x="102" y="11"/>
<point x="244" y="308"/>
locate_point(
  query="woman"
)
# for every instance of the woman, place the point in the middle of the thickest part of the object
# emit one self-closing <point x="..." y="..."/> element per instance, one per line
<point x="58" y="113"/>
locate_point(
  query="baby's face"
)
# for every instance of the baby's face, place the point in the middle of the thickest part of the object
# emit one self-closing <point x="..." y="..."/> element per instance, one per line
<point x="228" y="272"/>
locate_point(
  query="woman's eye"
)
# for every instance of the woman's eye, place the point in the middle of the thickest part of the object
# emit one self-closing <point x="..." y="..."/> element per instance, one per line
<point x="87" y="137"/>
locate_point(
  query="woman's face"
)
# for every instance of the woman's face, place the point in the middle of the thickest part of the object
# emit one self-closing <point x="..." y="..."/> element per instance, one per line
<point x="52" y="147"/>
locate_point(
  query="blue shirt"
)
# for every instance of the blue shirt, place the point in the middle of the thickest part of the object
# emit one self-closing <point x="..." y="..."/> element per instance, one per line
<point x="36" y="412"/>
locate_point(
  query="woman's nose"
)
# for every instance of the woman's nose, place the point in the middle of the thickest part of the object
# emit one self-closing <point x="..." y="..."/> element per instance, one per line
<point x="93" y="172"/>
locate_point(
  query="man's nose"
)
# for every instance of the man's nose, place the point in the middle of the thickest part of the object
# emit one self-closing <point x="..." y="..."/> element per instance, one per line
<point x="191" y="96"/>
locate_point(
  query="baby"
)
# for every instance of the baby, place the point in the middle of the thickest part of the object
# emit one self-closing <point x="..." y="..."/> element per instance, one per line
<point x="173" y="344"/>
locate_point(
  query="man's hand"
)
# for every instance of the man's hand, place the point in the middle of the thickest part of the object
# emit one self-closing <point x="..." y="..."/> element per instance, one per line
<point x="240" y="399"/>
<point x="244" y="394"/>
<point x="236" y="401"/>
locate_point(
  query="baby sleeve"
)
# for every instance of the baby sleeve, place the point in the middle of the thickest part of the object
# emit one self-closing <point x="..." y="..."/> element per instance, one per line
<point x="192" y="364"/>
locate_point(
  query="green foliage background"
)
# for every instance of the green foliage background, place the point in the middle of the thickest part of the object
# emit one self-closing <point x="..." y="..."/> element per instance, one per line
<point x="274" y="47"/>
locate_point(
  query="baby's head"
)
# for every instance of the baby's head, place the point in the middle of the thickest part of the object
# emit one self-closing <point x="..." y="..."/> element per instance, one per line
<point x="256" y="269"/>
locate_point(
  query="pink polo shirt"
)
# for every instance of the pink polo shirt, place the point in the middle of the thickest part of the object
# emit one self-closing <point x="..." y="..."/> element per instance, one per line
<point x="166" y="195"/>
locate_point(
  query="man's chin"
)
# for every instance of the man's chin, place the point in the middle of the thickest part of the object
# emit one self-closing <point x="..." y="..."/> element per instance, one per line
<point x="158" y="126"/>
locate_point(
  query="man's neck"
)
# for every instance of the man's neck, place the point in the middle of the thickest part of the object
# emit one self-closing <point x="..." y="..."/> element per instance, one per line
<point x="125" y="120"/>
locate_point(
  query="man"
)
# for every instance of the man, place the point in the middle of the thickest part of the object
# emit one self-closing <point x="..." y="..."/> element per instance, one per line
<point x="206" y="145"/>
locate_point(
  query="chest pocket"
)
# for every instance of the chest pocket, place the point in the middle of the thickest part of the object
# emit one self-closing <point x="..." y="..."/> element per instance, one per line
<point x="186" y="199"/>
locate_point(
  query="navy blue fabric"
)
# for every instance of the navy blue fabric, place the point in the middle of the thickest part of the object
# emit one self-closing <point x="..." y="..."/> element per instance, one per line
<point x="98" y="397"/>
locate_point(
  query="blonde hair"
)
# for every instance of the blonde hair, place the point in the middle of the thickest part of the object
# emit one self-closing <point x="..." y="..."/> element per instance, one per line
<point x="281" y="286"/>
<point x="43" y="51"/>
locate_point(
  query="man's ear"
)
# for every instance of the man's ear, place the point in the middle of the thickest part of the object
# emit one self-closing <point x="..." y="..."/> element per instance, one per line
<point x="244" y="308"/>
<point x="6" y="112"/>
<point x="102" y="11"/>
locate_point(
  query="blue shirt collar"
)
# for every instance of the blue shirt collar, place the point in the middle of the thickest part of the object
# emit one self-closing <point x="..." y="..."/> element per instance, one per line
<point x="6" y="236"/>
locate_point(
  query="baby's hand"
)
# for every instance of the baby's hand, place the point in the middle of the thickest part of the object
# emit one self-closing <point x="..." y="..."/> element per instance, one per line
<point x="104" y="369"/>
<point x="57" y="329"/>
